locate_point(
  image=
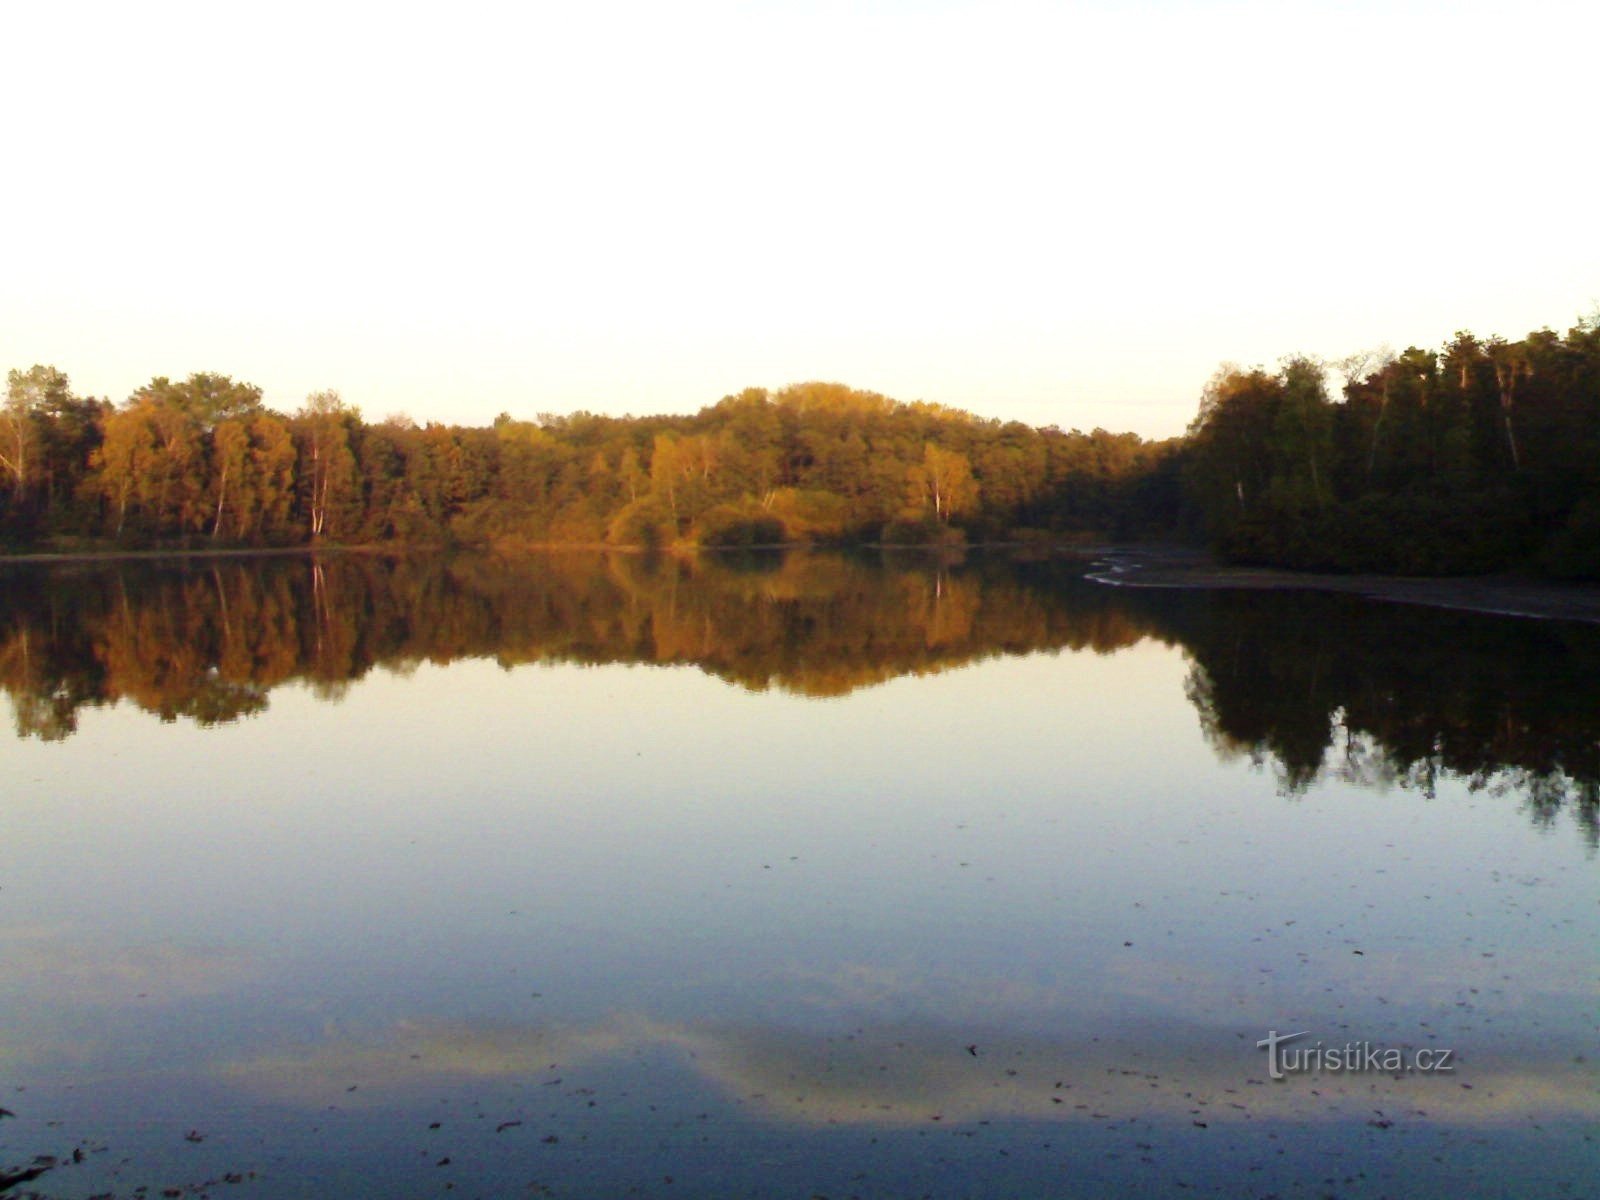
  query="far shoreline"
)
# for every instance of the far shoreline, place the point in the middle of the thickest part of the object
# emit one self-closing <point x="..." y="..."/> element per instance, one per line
<point x="501" y="550"/>
<point x="1490" y="595"/>
<point x="1134" y="565"/>
<point x="78" y="557"/>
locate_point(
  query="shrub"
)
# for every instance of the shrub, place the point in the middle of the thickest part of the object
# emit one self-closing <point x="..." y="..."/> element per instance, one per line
<point x="734" y="525"/>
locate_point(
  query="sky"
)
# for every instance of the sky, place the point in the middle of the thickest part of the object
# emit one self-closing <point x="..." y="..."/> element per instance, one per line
<point x="1063" y="214"/>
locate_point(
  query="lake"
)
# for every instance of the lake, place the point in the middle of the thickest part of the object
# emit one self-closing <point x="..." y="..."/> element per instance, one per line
<point x="788" y="875"/>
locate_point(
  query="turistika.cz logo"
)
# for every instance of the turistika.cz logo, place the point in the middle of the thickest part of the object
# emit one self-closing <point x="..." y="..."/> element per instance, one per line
<point x="1318" y="1057"/>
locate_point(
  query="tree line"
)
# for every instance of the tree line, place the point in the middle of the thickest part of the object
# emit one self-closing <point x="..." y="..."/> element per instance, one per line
<point x="1481" y="456"/>
<point x="203" y="462"/>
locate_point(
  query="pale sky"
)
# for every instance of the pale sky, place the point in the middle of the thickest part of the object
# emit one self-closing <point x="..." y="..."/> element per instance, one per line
<point x="1064" y="214"/>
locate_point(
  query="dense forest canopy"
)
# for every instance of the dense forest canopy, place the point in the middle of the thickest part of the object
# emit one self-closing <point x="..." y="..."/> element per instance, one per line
<point x="1477" y="457"/>
<point x="1480" y="456"/>
<point x="203" y="462"/>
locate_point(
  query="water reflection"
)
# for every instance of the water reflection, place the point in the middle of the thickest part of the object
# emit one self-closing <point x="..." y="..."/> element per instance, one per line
<point x="1313" y="686"/>
<point x="908" y="1073"/>
<point x="372" y="915"/>
<point x="1401" y="696"/>
<point x="207" y="642"/>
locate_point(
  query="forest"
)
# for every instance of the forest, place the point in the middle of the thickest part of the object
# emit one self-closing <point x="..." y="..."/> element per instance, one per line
<point x="1478" y="457"/>
<point x="203" y="463"/>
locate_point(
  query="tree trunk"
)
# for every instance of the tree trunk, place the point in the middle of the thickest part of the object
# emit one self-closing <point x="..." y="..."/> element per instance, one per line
<point x="1383" y="408"/>
<point x="1505" y="374"/>
<point x="222" y="496"/>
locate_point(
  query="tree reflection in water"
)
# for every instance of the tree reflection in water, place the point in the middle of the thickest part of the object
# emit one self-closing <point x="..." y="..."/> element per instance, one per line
<point x="1310" y="685"/>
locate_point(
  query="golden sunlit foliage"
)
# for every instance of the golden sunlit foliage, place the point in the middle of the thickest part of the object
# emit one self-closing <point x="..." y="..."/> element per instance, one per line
<point x="201" y="463"/>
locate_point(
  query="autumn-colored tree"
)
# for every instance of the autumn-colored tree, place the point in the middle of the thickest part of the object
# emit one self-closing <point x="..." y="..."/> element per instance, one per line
<point x="151" y="462"/>
<point x="681" y="473"/>
<point x="943" y="481"/>
<point x="327" y="468"/>
<point x="821" y="461"/>
<point x="255" y="465"/>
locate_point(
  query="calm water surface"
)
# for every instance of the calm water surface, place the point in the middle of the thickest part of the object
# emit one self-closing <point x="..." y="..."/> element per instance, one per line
<point x="799" y="876"/>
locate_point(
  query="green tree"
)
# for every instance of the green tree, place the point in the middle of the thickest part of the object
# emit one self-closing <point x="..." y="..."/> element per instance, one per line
<point x="1231" y="443"/>
<point x="28" y="395"/>
<point x="1511" y="366"/>
<point x="1303" y="432"/>
<point x="204" y="398"/>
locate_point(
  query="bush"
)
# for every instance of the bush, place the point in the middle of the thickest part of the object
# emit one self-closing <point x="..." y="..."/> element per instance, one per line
<point x="735" y="525"/>
<point x="1573" y="551"/>
<point x="645" y="523"/>
<point x="1411" y="533"/>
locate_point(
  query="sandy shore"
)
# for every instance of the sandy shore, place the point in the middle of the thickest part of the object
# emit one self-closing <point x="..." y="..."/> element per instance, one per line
<point x="1505" y="595"/>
